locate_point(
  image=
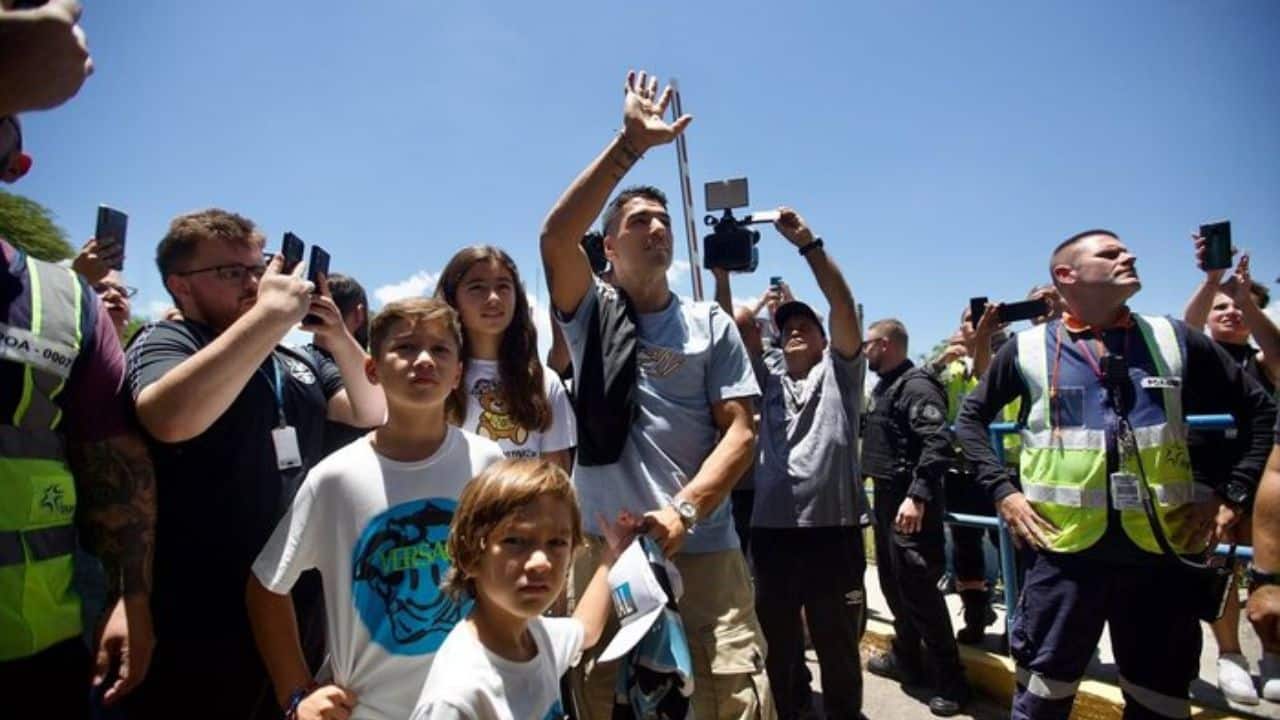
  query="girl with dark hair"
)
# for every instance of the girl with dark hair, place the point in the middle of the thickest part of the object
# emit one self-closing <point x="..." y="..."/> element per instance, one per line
<point x="507" y="394"/>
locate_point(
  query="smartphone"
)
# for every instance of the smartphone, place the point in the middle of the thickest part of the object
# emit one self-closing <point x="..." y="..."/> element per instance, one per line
<point x="317" y="266"/>
<point x="775" y="281"/>
<point x="292" y="252"/>
<point x="112" y="226"/>
<point x="1025" y="310"/>
<point x="1217" y="245"/>
<point x="977" y="306"/>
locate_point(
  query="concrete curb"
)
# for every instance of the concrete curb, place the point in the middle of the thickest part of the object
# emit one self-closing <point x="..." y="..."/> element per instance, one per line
<point x="992" y="675"/>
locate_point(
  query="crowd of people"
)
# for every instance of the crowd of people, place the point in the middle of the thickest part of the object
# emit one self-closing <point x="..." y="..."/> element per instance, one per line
<point x="416" y="516"/>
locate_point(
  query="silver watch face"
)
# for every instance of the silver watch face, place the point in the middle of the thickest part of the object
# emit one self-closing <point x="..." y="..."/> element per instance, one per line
<point x="687" y="510"/>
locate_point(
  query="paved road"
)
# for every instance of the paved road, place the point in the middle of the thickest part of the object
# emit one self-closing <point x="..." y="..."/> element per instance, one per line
<point x="884" y="699"/>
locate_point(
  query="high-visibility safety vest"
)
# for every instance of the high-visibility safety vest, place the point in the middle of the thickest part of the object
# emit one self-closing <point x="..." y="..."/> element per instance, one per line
<point x="42" y="333"/>
<point x="956" y="379"/>
<point x="1065" y="440"/>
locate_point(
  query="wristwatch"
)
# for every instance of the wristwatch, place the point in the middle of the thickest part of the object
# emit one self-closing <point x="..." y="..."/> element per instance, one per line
<point x="687" y="511"/>
<point x="1237" y="492"/>
<point x="1256" y="577"/>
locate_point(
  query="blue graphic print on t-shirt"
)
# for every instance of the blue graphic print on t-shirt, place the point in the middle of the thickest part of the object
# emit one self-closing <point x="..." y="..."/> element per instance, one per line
<point x="398" y="565"/>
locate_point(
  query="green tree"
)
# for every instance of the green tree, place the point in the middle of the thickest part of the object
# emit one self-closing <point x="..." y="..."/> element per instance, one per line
<point x="29" y="226"/>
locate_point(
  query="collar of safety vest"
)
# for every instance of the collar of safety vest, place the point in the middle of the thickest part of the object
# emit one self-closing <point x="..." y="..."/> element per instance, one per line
<point x="1075" y="325"/>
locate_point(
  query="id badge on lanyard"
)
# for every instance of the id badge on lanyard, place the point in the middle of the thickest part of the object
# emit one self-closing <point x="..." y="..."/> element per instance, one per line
<point x="1126" y="488"/>
<point x="284" y="437"/>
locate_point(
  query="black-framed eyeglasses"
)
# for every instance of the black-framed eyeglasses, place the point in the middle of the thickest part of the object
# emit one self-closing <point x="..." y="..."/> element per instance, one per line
<point x="232" y="272"/>
<point x="125" y="290"/>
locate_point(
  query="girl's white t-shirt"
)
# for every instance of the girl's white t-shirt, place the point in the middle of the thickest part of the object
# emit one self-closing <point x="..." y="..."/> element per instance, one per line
<point x="468" y="681"/>
<point x="487" y="413"/>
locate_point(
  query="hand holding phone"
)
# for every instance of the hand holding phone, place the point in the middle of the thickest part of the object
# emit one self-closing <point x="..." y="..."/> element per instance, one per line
<point x="291" y="250"/>
<point x="317" y="273"/>
<point x="977" y="306"/>
<point x="1217" y="246"/>
<point x="110" y="233"/>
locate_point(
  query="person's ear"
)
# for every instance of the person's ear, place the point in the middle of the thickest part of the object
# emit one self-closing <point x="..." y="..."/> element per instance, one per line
<point x="371" y="370"/>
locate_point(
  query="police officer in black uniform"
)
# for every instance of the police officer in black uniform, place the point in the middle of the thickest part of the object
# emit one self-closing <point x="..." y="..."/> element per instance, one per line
<point x="906" y="449"/>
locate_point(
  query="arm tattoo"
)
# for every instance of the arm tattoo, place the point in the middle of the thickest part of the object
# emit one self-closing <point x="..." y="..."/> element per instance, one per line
<point x="117" y="508"/>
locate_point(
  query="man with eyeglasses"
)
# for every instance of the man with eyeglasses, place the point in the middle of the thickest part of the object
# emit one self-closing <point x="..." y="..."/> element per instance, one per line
<point x="235" y="419"/>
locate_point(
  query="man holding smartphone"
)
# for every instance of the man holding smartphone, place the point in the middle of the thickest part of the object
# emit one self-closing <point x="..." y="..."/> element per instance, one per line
<point x="234" y="420"/>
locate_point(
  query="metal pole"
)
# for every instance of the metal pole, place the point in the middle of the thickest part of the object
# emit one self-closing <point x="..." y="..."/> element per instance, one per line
<point x="686" y="194"/>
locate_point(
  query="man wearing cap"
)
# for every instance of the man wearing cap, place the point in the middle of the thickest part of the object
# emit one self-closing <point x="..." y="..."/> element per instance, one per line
<point x="234" y="420"/>
<point x="809" y="501"/>
<point x="906" y="450"/>
<point x="684" y="433"/>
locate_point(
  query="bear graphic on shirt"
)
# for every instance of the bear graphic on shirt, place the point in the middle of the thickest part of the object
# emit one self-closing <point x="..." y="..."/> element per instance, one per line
<point x="495" y="422"/>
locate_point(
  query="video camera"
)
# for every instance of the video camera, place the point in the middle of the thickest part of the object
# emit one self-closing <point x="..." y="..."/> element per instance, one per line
<point x="732" y="243"/>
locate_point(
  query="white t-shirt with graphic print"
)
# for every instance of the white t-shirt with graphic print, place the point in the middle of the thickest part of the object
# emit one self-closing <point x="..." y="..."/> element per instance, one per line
<point x="377" y="531"/>
<point x="471" y="683"/>
<point x="487" y="414"/>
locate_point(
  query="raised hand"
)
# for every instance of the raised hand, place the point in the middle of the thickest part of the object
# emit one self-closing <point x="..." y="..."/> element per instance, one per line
<point x="643" y="110"/>
<point x="284" y="296"/>
<point x="793" y="227"/>
<point x="1212" y="276"/>
<point x="95" y="260"/>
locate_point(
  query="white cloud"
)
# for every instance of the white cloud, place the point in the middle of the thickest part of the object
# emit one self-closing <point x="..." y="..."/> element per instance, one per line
<point x="678" y="272"/>
<point x="416" y="285"/>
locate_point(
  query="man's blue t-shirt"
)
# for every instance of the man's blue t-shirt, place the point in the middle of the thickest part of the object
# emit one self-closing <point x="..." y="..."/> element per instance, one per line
<point x="689" y="356"/>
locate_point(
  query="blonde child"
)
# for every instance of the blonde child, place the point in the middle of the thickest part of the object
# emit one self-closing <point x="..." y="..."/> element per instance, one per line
<point x="512" y="543"/>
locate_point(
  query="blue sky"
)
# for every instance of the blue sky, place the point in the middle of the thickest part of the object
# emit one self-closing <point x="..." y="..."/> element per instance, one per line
<point x="941" y="149"/>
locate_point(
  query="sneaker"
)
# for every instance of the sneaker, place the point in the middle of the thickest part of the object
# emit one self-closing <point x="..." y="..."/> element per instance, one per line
<point x="949" y="702"/>
<point x="1234" y="679"/>
<point x="1271" y="676"/>
<point x="888" y="665"/>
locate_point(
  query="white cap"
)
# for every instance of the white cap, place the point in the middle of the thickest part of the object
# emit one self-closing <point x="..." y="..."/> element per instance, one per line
<point x="638" y="597"/>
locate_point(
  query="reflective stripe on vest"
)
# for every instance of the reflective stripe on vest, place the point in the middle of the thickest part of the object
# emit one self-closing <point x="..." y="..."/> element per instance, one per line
<point x="38" y="606"/>
<point x="1064" y="469"/>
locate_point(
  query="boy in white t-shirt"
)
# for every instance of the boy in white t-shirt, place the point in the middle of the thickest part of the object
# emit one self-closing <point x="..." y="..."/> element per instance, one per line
<point x="373" y="518"/>
<point x="513" y="537"/>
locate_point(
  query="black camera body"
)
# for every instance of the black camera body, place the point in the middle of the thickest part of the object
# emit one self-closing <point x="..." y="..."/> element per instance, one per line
<point x="731" y="244"/>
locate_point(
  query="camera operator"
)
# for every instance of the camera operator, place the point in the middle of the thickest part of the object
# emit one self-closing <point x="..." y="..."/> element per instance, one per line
<point x="234" y="421"/>
<point x="906" y="450"/>
<point x="808" y="491"/>
<point x="69" y="459"/>
<point x="663" y="393"/>
<point x="1104" y="392"/>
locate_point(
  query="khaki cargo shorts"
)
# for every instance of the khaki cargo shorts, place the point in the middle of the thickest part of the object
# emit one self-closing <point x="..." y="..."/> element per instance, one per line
<point x="728" y="648"/>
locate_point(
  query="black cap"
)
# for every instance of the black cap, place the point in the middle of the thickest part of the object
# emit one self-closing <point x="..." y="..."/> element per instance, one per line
<point x="788" y="310"/>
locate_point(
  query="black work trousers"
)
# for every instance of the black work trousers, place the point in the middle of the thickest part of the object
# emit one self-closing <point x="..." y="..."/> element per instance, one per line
<point x="965" y="496"/>
<point x="819" y="569"/>
<point x="909" y="567"/>
<point x="53" y="683"/>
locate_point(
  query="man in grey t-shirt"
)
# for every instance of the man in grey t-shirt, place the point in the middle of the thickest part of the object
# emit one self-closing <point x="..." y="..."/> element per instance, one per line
<point x="809" y="501"/>
<point x="692" y="436"/>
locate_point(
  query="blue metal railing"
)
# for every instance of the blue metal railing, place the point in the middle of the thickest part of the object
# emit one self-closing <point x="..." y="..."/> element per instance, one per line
<point x="1008" y="568"/>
